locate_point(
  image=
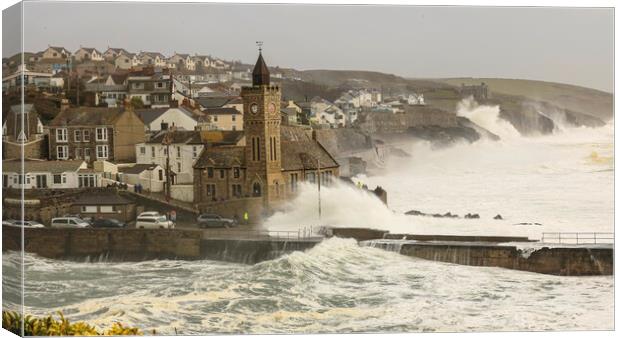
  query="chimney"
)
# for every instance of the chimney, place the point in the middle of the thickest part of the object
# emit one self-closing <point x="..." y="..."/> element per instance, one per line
<point x="64" y="104"/>
<point x="174" y="104"/>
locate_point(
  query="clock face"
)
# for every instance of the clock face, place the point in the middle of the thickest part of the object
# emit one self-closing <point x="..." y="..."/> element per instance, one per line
<point x="254" y="108"/>
<point x="272" y="108"/>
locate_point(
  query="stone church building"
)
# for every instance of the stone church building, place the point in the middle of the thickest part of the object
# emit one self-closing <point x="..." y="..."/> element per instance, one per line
<point x="267" y="166"/>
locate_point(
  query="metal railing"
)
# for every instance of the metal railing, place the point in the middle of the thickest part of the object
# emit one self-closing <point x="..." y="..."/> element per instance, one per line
<point x="301" y="233"/>
<point x="578" y="237"/>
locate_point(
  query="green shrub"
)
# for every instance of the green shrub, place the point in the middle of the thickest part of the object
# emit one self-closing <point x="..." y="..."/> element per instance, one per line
<point x="49" y="326"/>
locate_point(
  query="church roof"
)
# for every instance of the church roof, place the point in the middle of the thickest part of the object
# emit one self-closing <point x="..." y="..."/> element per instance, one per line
<point x="260" y="74"/>
<point x="221" y="157"/>
<point x="301" y="152"/>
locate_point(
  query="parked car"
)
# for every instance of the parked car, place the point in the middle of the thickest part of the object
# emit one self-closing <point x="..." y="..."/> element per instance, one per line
<point x="88" y="220"/>
<point x="214" y="221"/>
<point x="108" y="223"/>
<point x="69" y="222"/>
<point x="29" y="224"/>
<point x="26" y="224"/>
<point x="8" y="222"/>
<point x="154" y="222"/>
<point x="149" y="213"/>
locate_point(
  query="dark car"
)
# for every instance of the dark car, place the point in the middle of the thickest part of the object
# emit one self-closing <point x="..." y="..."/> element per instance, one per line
<point x="215" y="221"/>
<point x="108" y="223"/>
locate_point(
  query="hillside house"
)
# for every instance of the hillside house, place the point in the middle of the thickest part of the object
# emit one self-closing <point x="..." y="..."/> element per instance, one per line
<point x="95" y="134"/>
<point x="87" y="54"/>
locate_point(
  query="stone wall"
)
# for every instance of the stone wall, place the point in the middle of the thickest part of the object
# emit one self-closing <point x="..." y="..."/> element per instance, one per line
<point x="414" y="116"/>
<point x="113" y="244"/>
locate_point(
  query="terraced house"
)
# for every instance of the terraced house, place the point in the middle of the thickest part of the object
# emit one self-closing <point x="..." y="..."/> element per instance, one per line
<point x="153" y="89"/>
<point x="95" y="134"/>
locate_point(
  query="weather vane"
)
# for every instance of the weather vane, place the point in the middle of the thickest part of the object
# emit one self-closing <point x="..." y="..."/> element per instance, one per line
<point x="260" y="46"/>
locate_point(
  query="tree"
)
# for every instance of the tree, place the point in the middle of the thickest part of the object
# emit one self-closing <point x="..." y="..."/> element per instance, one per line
<point x="136" y="102"/>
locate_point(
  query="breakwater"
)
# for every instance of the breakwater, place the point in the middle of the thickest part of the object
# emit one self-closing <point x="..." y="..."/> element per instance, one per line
<point x="518" y="253"/>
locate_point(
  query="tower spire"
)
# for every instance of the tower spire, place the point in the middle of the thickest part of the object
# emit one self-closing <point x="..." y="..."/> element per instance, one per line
<point x="260" y="74"/>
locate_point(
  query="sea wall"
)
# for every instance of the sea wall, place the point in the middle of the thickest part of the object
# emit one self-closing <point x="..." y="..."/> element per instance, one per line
<point x="113" y="244"/>
<point x="146" y="244"/>
<point x="251" y="251"/>
<point x="574" y="261"/>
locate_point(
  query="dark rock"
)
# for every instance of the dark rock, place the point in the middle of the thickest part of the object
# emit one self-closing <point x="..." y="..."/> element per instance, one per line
<point x="472" y="216"/>
<point x="498" y="216"/>
<point x="414" y="213"/>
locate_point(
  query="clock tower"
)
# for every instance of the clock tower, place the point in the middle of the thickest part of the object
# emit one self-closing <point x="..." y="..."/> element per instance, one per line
<point x="261" y="125"/>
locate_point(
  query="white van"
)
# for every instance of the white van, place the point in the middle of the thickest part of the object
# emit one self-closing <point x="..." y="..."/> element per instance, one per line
<point x="154" y="222"/>
<point x="69" y="222"/>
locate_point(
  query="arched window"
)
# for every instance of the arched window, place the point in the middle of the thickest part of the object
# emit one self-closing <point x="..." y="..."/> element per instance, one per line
<point x="256" y="189"/>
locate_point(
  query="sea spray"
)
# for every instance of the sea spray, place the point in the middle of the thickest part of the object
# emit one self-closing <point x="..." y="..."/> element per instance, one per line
<point x="487" y="117"/>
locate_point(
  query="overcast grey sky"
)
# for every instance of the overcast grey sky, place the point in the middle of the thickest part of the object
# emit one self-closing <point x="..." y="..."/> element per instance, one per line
<point x="569" y="45"/>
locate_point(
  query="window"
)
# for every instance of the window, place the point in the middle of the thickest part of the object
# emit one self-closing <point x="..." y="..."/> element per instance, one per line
<point x="77" y="135"/>
<point x="234" y="118"/>
<point x="61" y="135"/>
<point x="255" y="148"/>
<point x="214" y="118"/>
<point x="107" y="208"/>
<point x="233" y="128"/>
<point x="178" y="167"/>
<point x="311" y="177"/>
<point x="222" y="173"/>
<point x="102" y="151"/>
<point x="87" y="153"/>
<point x="161" y="175"/>
<point x="165" y="151"/>
<point x="57" y="179"/>
<point x="152" y="151"/>
<point x="78" y="153"/>
<point x="211" y="190"/>
<point x="194" y="151"/>
<point x="62" y="152"/>
<point x="102" y="134"/>
<point x="210" y="172"/>
<point x="236" y="190"/>
<point x="87" y="180"/>
<point x="294" y="178"/>
<point x="86" y="135"/>
<point x="142" y="150"/>
<point x="236" y="172"/>
<point x="179" y="151"/>
<point x="89" y="208"/>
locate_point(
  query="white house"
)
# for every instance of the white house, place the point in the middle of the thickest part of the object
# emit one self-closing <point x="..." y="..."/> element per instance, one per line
<point x="124" y="61"/>
<point x="165" y="118"/>
<point x="152" y="59"/>
<point x="327" y="113"/>
<point x="55" y="53"/>
<point x="86" y="54"/>
<point x="39" y="174"/>
<point x="185" y="147"/>
<point x="152" y="177"/>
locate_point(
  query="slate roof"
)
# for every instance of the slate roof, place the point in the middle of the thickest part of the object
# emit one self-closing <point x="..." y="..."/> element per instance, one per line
<point x="149" y="115"/>
<point x="300" y="151"/>
<point x="86" y="116"/>
<point x="89" y="50"/>
<point x="218" y="137"/>
<point x="178" y="136"/>
<point x="28" y="107"/>
<point x="221" y="157"/>
<point x="137" y="168"/>
<point x="260" y="74"/>
<point x="222" y="111"/>
<point x="215" y="101"/>
<point x="101" y="199"/>
<point x="55" y="167"/>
